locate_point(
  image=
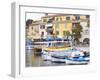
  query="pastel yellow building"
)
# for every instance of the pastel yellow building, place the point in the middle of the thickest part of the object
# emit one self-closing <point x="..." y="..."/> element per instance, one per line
<point x="83" y="17"/>
<point x="61" y="24"/>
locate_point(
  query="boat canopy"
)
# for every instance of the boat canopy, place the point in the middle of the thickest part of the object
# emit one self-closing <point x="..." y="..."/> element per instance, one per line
<point x="50" y="38"/>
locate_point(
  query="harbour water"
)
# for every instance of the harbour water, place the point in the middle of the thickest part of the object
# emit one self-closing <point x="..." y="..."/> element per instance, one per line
<point x="33" y="60"/>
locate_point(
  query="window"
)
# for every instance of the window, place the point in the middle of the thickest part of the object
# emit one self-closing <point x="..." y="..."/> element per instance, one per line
<point x="87" y="16"/>
<point x="50" y="21"/>
<point x="42" y="34"/>
<point x="44" y="20"/>
<point x="67" y="18"/>
<point x="77" y="17"/>
<point x="60" y="19"/>
<point x="42" y="27"/>
<point x="57" y="19"/>
<point x="53" y="18"/>
<point x="50" y="27"/>
<point x="57" y="32"/>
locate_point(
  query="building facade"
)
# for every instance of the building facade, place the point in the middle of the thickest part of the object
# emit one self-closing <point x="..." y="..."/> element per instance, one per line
<point x="59" y="25"/>
<point x="32" y="31"/>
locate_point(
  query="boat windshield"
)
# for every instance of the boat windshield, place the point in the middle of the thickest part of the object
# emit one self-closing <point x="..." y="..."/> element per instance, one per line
<point x="57" y="44"/>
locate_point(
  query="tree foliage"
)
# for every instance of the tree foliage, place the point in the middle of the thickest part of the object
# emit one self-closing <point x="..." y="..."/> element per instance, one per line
<point x="28" y="22"/>
<point x="76" y="32"/>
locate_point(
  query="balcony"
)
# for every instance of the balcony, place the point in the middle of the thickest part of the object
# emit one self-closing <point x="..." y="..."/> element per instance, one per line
<point x="49" y="25"/>
<point x="50" y="21"/>
<point x="49" y="29"/>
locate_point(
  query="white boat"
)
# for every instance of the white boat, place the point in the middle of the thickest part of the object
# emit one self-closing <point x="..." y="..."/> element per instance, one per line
<point x="64" y="54"/>
<point x="46" y="57"/>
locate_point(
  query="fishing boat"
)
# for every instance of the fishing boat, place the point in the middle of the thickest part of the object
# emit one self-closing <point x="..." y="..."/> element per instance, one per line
<point x="55" y="48"/>
<point x="60" y="52"/>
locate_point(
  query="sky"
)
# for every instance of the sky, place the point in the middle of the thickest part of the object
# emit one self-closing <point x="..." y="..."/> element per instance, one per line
<point x="34" y="16"/>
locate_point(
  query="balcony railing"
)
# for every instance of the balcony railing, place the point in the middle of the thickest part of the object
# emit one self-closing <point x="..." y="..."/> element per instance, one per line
<point x="49" y="29"/>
